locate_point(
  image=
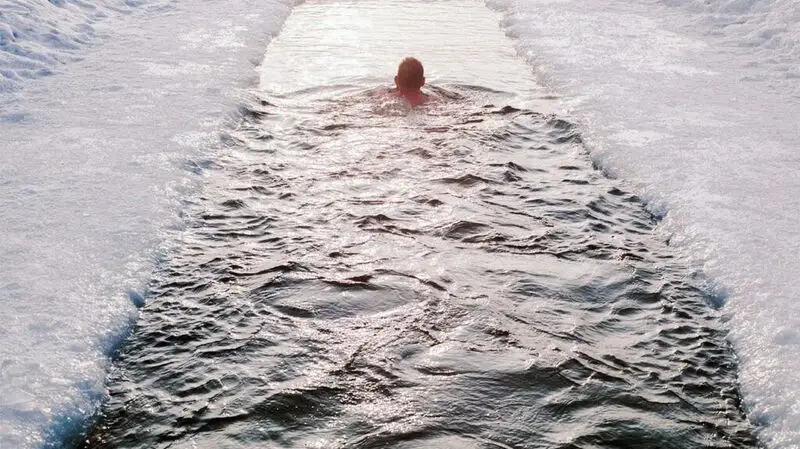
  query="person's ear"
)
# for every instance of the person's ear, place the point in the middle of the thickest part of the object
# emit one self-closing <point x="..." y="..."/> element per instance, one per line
<point x="423" y="82"/>
<point x="395" y="82"/>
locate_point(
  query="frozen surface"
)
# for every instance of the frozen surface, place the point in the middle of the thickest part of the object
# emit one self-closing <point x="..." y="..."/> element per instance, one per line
<point x="95" y="163"/>
<point x="39" y="37"/>
<point x="696" y="103"/>
<point x="767" y="32"/>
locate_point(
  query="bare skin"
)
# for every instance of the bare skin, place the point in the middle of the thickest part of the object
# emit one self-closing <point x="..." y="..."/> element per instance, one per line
<point x="409" y="81"/>
<point x="414" y="97"/>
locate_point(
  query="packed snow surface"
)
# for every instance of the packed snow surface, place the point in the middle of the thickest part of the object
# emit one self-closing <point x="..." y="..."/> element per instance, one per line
<point x="39" y="37"/>
<point x="697" y="103"/>
<point x="95" y="164"/>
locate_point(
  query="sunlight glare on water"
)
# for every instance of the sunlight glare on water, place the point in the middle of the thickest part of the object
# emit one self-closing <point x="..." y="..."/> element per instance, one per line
<point x="326" y="43"/>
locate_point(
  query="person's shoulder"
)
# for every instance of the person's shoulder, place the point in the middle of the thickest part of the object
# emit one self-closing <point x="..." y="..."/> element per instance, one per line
<point x="429" y="98"/>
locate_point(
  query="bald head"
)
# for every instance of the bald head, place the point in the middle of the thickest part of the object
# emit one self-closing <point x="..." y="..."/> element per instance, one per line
<point x="410" y="74"/>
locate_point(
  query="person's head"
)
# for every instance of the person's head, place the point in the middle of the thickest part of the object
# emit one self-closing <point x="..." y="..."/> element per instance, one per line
<point x="410" y="74"/>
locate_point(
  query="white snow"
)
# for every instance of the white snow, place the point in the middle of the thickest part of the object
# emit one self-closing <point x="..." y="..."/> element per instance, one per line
<point x="696" y="103"/>
<point x="95" y="163"/>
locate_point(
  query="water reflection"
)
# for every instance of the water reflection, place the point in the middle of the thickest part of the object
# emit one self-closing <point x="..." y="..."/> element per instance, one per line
<point x="359" y="274"/>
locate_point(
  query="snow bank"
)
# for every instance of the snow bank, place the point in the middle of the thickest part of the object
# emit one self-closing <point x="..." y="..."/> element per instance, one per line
<point x="95" y="169"/>
<point x="696" y="103"/>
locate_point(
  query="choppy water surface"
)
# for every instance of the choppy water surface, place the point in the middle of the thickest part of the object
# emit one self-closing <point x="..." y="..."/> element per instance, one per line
<point x="361" y="275"/>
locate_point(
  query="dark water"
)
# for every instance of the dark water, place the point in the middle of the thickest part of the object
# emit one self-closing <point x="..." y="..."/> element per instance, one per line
<point x="360" y="276"/>
<point x="357" y="275"/>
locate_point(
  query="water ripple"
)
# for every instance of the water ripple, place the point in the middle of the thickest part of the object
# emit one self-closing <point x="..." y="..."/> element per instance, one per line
<point x="357" y="279"/>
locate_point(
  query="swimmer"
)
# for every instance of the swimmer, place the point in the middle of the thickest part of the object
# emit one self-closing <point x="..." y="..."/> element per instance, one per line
<point x="408" y="82"/>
